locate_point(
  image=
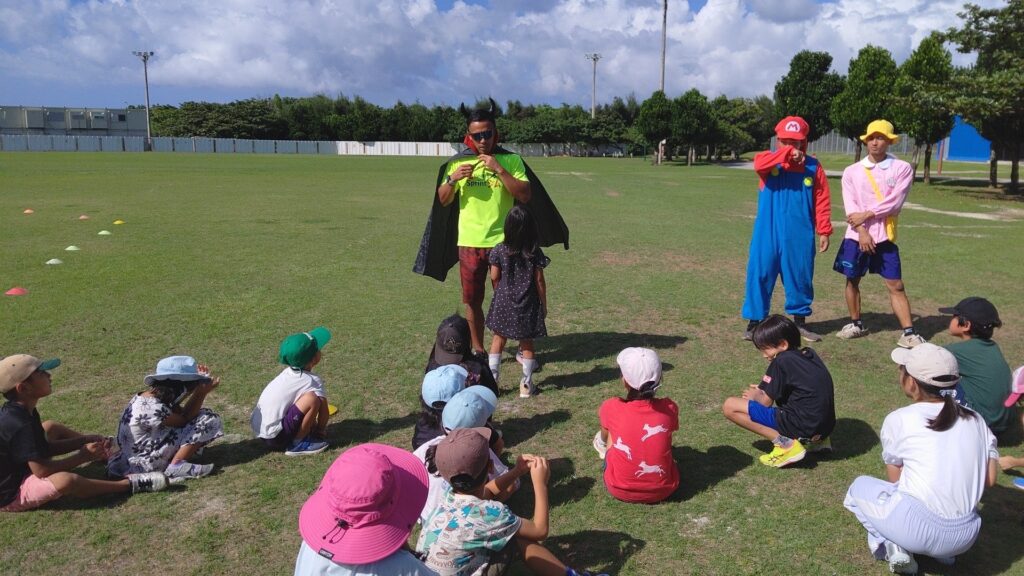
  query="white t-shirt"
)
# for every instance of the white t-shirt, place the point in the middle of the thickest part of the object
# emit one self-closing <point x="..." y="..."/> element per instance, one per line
<point x="437" y="485"/>
<point x="400" y="563"/>
<point x="947" y="470"/>
<point x="281" y="393"/>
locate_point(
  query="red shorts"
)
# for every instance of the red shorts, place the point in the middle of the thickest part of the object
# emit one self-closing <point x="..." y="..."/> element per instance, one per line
<point x="473" y="267"/>
<point x="33" y="493"/>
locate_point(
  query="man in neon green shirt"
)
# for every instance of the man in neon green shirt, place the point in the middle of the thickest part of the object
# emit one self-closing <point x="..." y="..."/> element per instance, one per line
<point x="487" y="185"/>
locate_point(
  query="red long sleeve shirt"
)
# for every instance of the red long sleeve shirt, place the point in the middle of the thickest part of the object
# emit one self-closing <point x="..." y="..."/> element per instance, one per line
<point x="765" y="162"/>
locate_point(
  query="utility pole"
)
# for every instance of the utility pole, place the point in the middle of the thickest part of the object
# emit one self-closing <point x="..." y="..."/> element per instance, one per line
<point x="145" y="56"/>
<point x="593" y="91"/>
<point x="664" y="28"/>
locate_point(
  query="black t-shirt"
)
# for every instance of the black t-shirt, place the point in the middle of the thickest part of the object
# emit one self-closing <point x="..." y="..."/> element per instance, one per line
<point x="801" y="386"/>
<point x="22" y="439"/>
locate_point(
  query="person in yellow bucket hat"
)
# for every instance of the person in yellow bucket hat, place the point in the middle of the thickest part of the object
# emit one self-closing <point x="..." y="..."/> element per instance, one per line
<point x="874" y="191"/>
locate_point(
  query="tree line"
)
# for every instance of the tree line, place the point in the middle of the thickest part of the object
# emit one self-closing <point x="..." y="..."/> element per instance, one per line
<point x="921" y="96"/>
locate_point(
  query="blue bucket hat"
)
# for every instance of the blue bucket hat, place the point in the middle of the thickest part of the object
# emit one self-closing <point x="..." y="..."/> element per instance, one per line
<point x="178" y="369"/>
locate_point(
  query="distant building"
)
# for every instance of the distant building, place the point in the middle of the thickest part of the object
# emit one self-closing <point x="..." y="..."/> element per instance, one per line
<point x="73" y="121"/>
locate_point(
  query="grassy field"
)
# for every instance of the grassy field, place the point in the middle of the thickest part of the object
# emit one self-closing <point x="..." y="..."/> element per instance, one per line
<point x="222" y="256"/>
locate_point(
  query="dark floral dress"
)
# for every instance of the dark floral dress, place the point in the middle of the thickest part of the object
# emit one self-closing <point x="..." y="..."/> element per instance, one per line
<point x="516" y="310"/>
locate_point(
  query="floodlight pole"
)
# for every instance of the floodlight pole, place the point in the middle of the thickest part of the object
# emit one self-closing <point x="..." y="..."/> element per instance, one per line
<point x="145" y="56"/>
<point x="593" y="91"/>
<point x="664" y="27"/>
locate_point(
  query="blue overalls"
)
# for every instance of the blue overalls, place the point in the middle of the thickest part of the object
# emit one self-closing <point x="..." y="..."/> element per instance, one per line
<point x="783" y="242"/>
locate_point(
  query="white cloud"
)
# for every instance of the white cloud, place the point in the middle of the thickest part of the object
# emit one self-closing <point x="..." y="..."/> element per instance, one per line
<point x="60" y="51"/>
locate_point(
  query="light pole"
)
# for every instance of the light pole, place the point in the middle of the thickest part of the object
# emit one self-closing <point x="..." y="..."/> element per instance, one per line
<point x="664" y="26"/>
<point x="593" y="91"/>
<point x="145" y="56"/>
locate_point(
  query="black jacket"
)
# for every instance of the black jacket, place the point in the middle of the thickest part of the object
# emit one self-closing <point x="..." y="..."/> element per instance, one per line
<point x="439" y="249"/>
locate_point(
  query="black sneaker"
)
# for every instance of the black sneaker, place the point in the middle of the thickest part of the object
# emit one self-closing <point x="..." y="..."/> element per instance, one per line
<point x="748" y="334"/>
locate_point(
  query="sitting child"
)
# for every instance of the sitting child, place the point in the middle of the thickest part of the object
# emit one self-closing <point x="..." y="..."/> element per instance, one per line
<point x="799" y="385"/>
<point x="939" y="458"/>
<point x="470" y="408"/>
<point x="451" y="346"/>
<point x="156" y="433"/>
<point x="984" y="374"/>
<point x="359" y="519"/>
<point x="29" y="475"/>
<point x="1016" y="391"/>
<point x="469" y="534"/>
<point x="639" y="428"/>
<point x="439" y="385"/>
<point x="292" y="412"/>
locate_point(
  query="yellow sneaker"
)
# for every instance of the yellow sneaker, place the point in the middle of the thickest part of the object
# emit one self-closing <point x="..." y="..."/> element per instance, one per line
<point x="780" y="457"/>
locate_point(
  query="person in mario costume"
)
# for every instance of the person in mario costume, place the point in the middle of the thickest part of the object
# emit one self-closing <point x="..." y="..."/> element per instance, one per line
<point x="793" y="204"/>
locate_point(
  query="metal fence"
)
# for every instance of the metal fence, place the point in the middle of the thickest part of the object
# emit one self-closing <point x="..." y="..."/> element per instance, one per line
<point x="836" y="143"/>
<point x="65" y="143"/>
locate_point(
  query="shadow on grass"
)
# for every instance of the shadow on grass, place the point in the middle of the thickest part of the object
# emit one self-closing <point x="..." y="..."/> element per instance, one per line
<point x="998" y="547"/>
<point x="927" y="326"/>
<point x="226" y="454"/>
<point x="700" y="471"/>
<point x="564" y="487"/>
<point x="599" y="551"/>
<point x="584" y="346"/>
<point x="597" y="375"/>
<point x="361" y="430"/>
<point x="850" y="438"/>
<point x="517" y="430"/>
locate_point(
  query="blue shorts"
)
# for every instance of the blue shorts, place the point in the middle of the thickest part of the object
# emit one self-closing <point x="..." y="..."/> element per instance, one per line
<point x="853" y="263"/>
<point x="763" y="415"/>
<point x="290" y="425"/>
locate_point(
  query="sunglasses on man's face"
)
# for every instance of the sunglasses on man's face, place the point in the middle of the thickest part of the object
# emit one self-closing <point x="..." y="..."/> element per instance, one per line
<point x="481" y="136"/>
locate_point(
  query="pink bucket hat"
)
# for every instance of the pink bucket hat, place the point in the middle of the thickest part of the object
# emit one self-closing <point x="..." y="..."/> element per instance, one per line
<point x="366" y="505"/>
<point x="1016" y="387"/>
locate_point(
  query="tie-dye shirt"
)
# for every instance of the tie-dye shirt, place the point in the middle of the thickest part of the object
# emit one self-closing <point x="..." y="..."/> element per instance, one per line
<point x="459" y="536"/>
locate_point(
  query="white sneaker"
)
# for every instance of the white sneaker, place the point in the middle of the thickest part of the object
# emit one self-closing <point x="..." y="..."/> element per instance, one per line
<point x="188" y="470"/>
<point x="900" y="561"/>
<point x="851" y="331"/>
<point x="600" y="445"/>
<point x="526" y="388"/>
<point x="910" y="340"/>
<point x="147" y="482"/>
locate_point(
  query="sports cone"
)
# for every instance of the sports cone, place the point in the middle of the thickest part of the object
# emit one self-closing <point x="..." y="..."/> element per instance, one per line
<point x="72" y="248"/>
<point x="53" y="261"/>
<point x="16" y="291"/>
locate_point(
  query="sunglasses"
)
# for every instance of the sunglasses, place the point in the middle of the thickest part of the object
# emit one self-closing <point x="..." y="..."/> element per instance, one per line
<point x="481" y="136"/>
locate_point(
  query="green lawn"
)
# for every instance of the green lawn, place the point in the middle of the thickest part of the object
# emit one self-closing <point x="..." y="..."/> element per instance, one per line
<point x="222" y="256"/>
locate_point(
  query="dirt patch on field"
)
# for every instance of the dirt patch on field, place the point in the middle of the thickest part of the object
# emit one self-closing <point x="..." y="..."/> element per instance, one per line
<point x="612" y="193"/>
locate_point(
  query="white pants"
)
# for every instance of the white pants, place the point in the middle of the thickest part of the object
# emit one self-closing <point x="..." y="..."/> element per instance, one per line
<point x="890" y="515"/>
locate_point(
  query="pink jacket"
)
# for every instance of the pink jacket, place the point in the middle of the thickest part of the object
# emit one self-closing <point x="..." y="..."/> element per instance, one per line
<point x="893" y="176"/>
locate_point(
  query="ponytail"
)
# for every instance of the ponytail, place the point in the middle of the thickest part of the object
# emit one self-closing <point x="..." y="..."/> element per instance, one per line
<point x="646" y="392"/>
<point x="951" y="411"/>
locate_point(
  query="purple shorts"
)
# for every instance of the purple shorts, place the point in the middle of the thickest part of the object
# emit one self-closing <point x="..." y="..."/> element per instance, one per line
<point x="853" y="263"/>
<point x="289" y="428"/>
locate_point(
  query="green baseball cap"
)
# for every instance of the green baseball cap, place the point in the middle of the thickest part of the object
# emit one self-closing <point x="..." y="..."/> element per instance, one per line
<point x="298" y="349"/>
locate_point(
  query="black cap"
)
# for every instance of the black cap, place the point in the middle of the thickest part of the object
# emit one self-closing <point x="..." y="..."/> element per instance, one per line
<point x="452" y="342"/>
<point x="977" y="311"/>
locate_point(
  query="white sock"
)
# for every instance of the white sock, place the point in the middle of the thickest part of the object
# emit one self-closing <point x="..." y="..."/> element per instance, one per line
<point x="494" y="363"/>
<point x="529" y="365"/>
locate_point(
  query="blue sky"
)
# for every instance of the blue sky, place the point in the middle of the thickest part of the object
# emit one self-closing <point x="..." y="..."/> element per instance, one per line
<point x="78" y="53"/>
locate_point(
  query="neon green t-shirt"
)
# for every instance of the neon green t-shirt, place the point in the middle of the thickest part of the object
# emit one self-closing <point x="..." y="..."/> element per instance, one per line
<point x="484" y="201"/>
